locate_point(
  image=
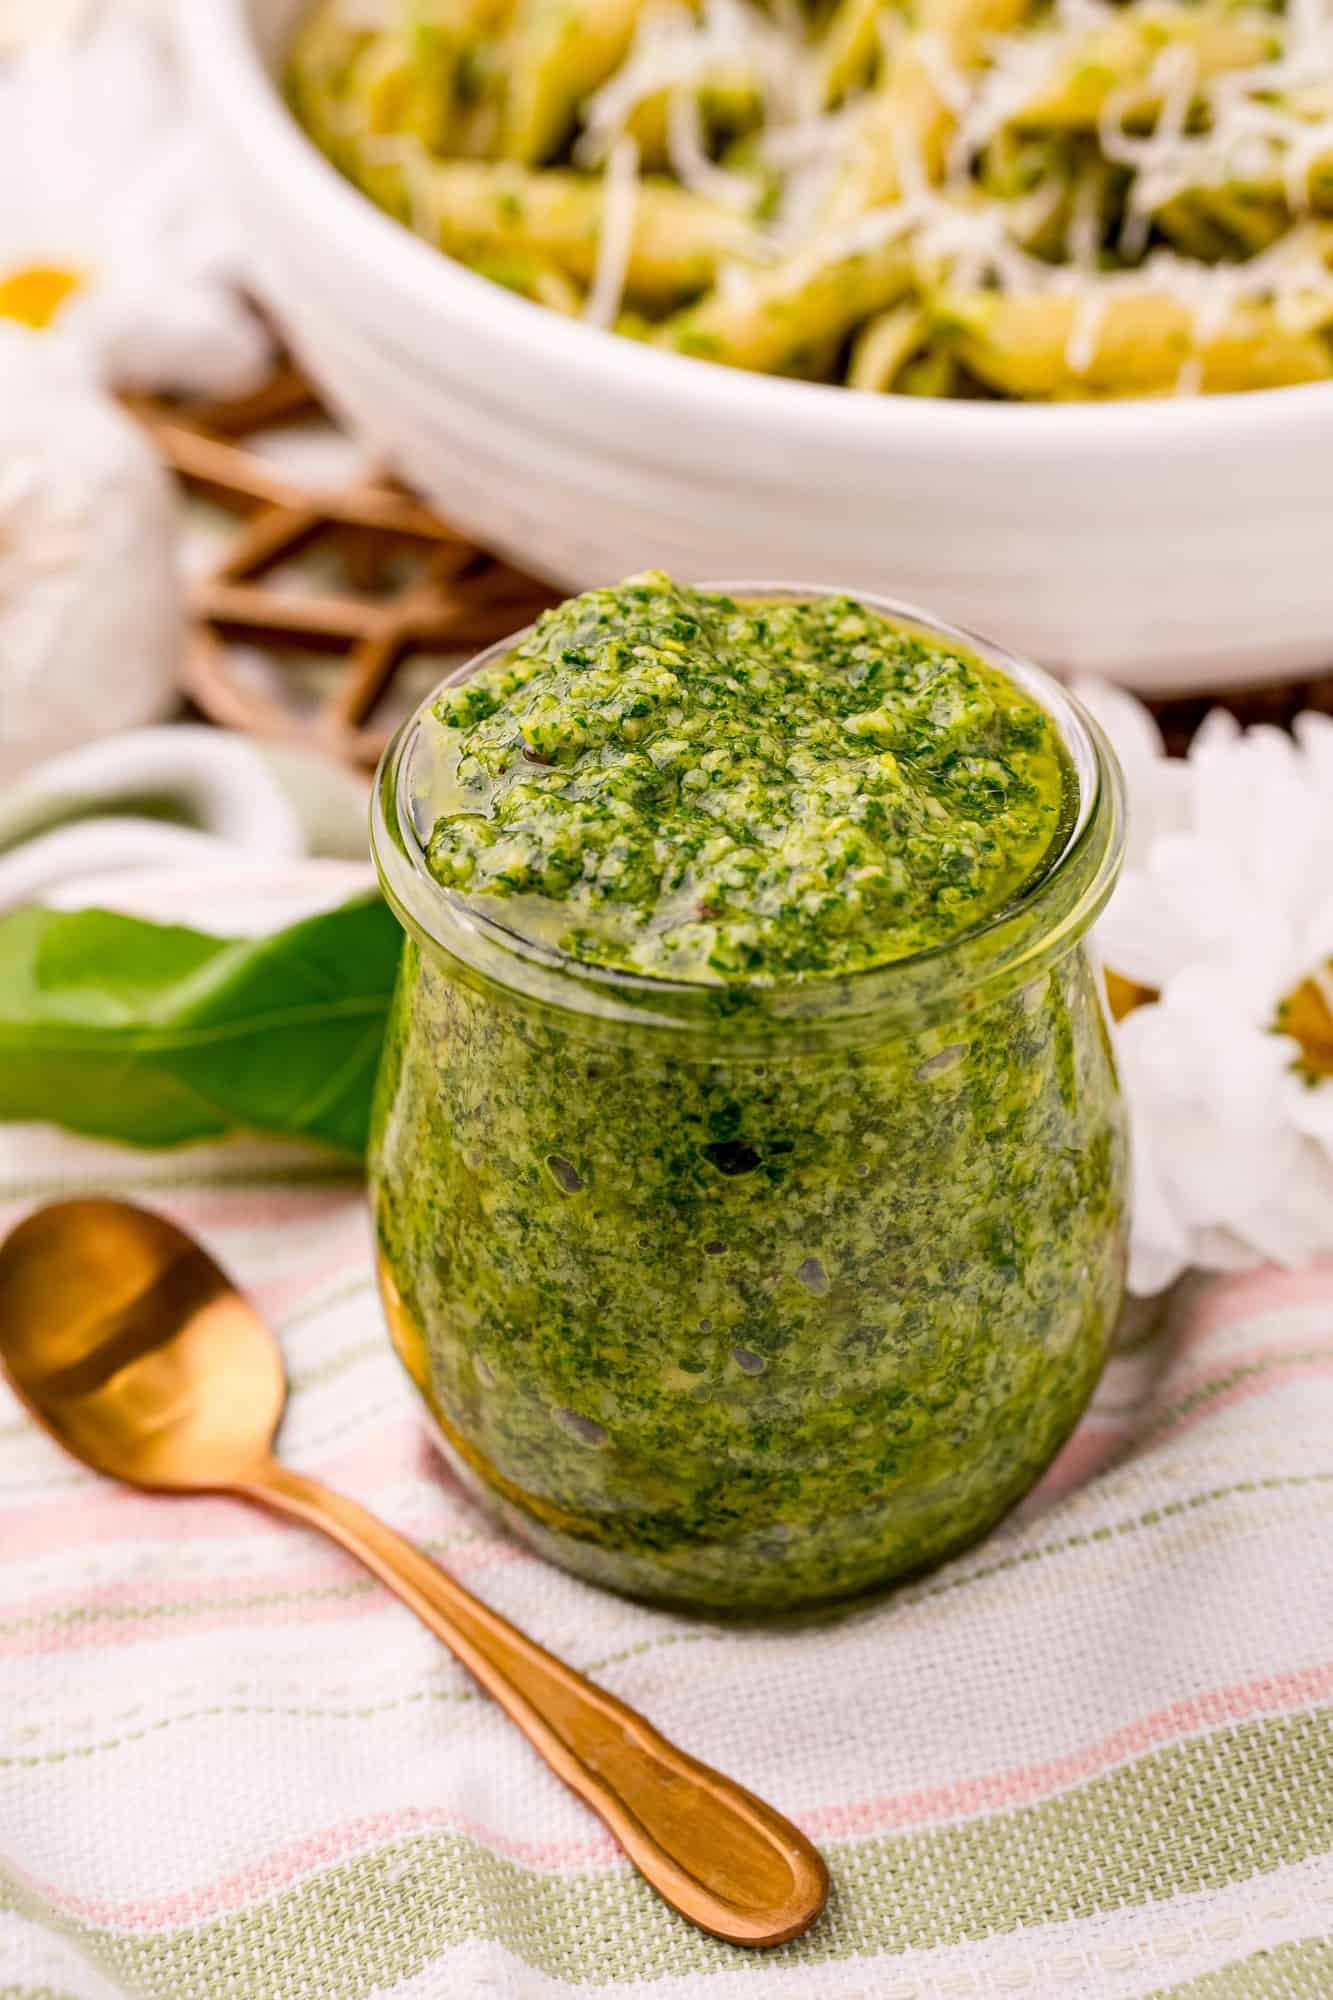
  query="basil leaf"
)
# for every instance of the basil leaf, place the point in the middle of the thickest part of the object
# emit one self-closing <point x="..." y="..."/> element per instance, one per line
<point x="155" y="1034"/>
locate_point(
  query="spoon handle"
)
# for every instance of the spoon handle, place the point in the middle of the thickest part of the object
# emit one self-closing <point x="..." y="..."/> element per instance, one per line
<point x="720" y="1856"/>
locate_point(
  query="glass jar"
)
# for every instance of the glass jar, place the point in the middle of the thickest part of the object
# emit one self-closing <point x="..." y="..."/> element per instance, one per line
<point x="742" y="1297"/>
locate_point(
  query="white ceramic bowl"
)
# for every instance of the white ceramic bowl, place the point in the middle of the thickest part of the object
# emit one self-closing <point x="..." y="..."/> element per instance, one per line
<point x="1172" y="545"/>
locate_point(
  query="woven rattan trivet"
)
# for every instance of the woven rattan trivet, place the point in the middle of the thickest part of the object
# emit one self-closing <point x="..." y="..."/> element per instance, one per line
<point x="404" y="580"/>
<point x="459" y="598"/>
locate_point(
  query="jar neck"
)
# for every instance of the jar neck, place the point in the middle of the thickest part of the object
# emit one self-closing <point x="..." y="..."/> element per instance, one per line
<point x="1011" y="949"/>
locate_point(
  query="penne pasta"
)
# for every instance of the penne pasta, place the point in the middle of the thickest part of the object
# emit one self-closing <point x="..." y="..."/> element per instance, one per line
<point x="1000" y="198"/>
<point x="1241" y="218"/>
<point x="532" y="279"/>
<point x="850" y="49"/>
<point x="1215" y="224"/>
<point x="1138" y="346"/>
<point x="906" y="125"/>
<point x="404" y="85"/>
<point x="770" y="320"/>
<point x="484" y="210"/>
<point x="325" y="52"/>
<point x="935" y="373"/>
<point x="1124" y="61"/>
<point x="559" y="51"/>
<point x="883" y="346"/>
<point x="730" y="99"/>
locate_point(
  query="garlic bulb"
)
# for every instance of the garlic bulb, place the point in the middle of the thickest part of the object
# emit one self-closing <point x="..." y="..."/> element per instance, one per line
<point x="90" y="613"/>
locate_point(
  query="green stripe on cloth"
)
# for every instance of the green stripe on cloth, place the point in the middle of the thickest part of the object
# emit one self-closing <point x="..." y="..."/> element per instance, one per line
<point x="1203" y="1814"/>
<point x="78" y="1616"/>
<point x="35" y="1993"/>
<point x="1219" y="1385"/>
<point x="71" y="1753"/>
<point x="1301" y="1971"/>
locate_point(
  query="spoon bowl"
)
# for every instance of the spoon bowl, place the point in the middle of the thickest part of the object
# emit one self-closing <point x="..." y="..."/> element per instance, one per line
<point x="134" y="1348"/>
<point x="139" y="1355"/>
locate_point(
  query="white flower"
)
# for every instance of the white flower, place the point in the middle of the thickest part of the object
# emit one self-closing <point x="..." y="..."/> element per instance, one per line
<point x="112" y="246"/>
<point x="1158" y="788"/>
<point x="90" y="620"/>
<point x="1224" y="910"/>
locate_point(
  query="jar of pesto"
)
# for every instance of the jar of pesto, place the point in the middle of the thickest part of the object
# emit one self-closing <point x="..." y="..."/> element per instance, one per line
<point x="748" y="1163"/>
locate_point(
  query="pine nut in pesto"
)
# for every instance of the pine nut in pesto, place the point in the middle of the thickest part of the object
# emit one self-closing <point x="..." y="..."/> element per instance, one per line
<point x="748" y="1163"/>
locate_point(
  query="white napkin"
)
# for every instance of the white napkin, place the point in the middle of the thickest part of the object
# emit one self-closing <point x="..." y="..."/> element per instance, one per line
<point x="168" y="799"/>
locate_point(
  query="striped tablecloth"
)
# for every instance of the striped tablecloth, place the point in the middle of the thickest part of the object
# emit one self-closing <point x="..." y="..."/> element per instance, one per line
<point x="1092" y="1758"/>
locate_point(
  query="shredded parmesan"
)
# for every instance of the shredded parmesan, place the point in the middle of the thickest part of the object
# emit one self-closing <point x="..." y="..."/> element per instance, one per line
<point x="1021" y="68"/>
<point x="1090" y="310"/>
<point x="1173" y="78"/>
<point x="620" y="193"/>
<point x="689" y="156"/>
<point x="1206" y="136"/>
<point x="1303" y="150"/>
<point x="1083" y="232"/>
<point x="948" y="79"/>
<point x="675" y="51"/>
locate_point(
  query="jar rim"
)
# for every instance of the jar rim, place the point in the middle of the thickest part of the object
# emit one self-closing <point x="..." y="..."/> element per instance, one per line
<point x="1012" y="944"/>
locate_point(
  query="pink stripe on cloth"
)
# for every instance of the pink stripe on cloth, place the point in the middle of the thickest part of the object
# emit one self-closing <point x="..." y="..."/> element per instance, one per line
<point x="1098" y="1440"/>
<point x="119" y="1613"/>
<point x="221" y="1209"/>
<point x="287" y="1865"/>
<point x="101" y="1514"/>
<point x="1270" y="1695"/>
<point x="1088" y="1451"/>
<point x="982" y="1795"/>
<point x="119" y="1514"/>
<point x="278" y="1297"/>
<point x="1249" y="1294"/>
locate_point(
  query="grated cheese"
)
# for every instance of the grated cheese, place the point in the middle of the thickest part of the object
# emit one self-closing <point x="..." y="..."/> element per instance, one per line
<point x="689" y="157"/>
<point x="953" y="87"/>
<point x="1172" y="79"/>
<point x="675" y="51"/>
<point x="1243" y="126"/>
<point x="619" y="201"/>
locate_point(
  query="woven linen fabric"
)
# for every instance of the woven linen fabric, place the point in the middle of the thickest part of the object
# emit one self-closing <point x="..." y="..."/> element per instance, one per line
<point x="1093" y="1758"/>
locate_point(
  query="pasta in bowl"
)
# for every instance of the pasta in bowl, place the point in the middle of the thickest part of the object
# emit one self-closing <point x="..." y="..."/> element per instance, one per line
<point x="1174" y="541"/>
<point x="943" y="198"/>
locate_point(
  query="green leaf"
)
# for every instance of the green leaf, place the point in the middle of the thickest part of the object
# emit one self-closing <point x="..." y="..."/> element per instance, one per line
<point x="154" y="1034"/>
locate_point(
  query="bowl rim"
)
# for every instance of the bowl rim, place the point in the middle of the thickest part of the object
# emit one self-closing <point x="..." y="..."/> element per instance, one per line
<point x="228" y="71"/>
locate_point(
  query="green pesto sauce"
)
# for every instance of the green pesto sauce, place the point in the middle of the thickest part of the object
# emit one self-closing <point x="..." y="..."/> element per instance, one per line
<point x="665" y="779"/>
<point x="746" y="1321"/>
